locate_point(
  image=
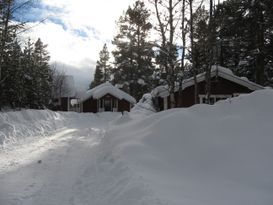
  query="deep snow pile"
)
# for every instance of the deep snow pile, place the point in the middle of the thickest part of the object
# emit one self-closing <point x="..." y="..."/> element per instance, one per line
<point x="209" y="155"/>
<point x="16" y="126"/>
<point x="203" y="155"/>
<point x="144" y="107"/>
<point x="145" y="103"/>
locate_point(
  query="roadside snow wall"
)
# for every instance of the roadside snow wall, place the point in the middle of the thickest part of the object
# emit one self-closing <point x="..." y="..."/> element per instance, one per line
<point x="20" y="125"/>
<point x="203" y="155"/>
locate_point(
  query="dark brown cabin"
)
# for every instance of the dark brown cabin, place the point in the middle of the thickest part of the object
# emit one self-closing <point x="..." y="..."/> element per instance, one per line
<point x="62" y="104"/>
<point x="106" y="98"/>
<point x="63" y="93"/>
<point x="224" y="84"/>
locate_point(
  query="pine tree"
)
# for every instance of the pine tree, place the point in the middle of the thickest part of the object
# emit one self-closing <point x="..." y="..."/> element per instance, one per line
<point x="12" y="73"/>
<point x="43" y="74"/>
<point x="14" y="92"/>
<point x="103" y="63"/>
<point x="98" y="77"/>
<point x="7" y="35"/>
<point x="245" y="33"/>
<point x="201" y="39"/>
<point x="103" y="68"/>
<point x="133" y="54"/>
<point x="29" y="81"/>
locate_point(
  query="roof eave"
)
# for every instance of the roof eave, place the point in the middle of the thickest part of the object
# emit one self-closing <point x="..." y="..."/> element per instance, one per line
<point x="250" y="85"/>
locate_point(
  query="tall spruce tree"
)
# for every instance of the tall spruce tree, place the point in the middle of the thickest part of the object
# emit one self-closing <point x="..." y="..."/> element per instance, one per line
<point x="98" y="77"/>
<point x="201" y="39"/>
<point x="103" y="63"/>
<point x="103" y="68"/>
<point x="21" y="84"/>
<point x="133" y="53"/>
<point x="14" y="92"/>
<point x="29" y="75"/>
<point x="245" y="33"/>
<point x="43" y="74"/>
<point x="7" y="36"/>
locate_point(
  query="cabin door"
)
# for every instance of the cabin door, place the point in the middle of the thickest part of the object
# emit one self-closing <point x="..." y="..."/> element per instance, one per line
<point x="108" y="104"/>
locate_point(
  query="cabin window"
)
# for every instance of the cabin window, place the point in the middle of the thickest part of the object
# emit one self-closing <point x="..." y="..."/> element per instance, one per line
<point x="107" y="105"/>
<point x="213" y="98"/>
<point x="115" y="103"/>
<point x="165" y="103"/>
<point x="236" y="94"/>
<point x="101" y="104"/>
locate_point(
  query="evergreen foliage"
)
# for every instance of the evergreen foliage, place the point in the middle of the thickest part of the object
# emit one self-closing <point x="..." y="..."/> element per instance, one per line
<point x="133" y="53"/>
<point x="25" y="75"/>
<point x="201" y="39"/>
<point x="245" y="37"/>
<point x="43" y="78"/>
<point x="103" y="68"/>
<point x="28" y="77"/>
<point x="98" y="77"/>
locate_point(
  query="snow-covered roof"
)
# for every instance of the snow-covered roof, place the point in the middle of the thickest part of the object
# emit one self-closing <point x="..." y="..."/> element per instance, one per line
<point x="220" y="71"/>
<point x="107" y="88"/>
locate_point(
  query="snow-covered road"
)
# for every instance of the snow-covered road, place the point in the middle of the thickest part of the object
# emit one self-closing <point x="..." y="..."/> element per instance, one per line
<point x="58" y="169"/>
<point x="203" y="155"/>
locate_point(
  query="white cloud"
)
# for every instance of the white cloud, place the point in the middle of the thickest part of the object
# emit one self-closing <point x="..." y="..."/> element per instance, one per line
<point x="76" y="34"/>
<point x="100" y="14"/>
<point x="64" y="45"/>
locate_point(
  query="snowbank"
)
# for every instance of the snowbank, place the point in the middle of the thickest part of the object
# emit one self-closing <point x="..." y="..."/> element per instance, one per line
<point x="207" y="154"/>
<point x="19" y="125"/>
<point x="203" y="155"/>
<point x="144" y="106"/>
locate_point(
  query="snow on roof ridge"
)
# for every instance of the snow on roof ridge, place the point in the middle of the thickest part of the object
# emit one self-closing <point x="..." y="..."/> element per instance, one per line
<point x="221" y="69"/>
<point x="223" y="72"/>
<point x="107" y="88"/>
<point x="227" y="74"/>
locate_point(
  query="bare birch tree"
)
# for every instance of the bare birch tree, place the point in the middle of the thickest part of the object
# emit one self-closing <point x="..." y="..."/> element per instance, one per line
<point x="168" y="17"/>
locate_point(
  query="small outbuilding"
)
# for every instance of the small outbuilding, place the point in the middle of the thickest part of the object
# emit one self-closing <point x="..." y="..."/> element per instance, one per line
<point x="224" y="84"/>
<point x="106" y="98"/>
<point x="63" y="92"/>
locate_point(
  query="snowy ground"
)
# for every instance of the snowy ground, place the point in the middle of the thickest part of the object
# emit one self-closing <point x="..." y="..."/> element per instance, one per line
<point x="204" y="155"/>
<point x="67" y="167"/>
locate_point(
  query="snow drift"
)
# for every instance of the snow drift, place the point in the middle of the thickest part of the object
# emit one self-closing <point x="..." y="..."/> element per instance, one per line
<point x="219" y="154"/>
<point x="203" y="155"/>
<point x="19" y="125"/>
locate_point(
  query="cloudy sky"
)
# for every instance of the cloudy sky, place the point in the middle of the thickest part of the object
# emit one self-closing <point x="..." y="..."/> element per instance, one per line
<point x="75" y="31"/>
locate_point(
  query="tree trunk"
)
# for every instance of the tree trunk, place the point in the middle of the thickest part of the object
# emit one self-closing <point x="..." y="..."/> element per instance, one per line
<point x="211" y="53"/>
<point x="6" y="19"/>
<point x="193" y="54"/>
<point x="260" y="45"/>
<point x="180" y="93"/>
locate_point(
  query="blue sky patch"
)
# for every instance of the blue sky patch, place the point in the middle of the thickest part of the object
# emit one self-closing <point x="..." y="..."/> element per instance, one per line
<point x="58" y="21"/>
<point x="80" y="32"/>
<point x="36" y="11"/>
<point x="95" y="33"/>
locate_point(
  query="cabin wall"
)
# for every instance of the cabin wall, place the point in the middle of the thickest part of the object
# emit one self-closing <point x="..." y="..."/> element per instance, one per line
<point x="61" y="104"/>
<point x="222" y="86"/>
<point x="124" y="105"/>
<point x="90" y="105"/>
<point x="186" y="99"/>
<point x="219" y="86"/>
